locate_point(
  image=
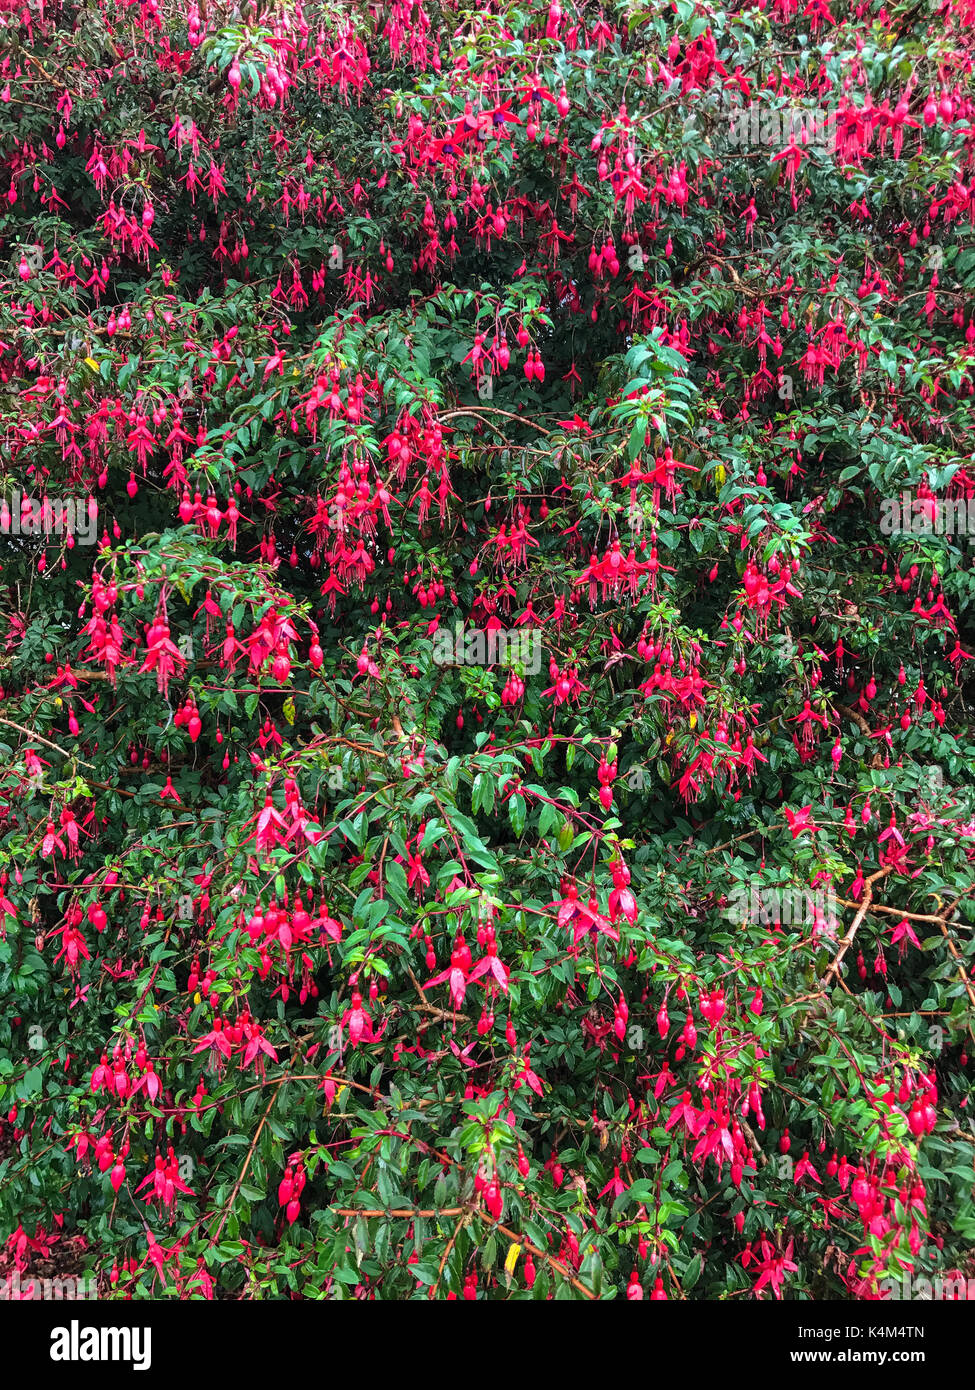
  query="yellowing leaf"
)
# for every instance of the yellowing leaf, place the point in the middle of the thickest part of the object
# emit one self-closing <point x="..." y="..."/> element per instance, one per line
<point x="90" y="362"/>
<point x="511" y="1259"/>
<point x="289" y="710"/>
<point x="339" y="1093"/>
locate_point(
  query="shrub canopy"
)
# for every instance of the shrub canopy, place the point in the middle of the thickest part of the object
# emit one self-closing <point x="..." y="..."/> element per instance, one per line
<point x="487" y="640"/>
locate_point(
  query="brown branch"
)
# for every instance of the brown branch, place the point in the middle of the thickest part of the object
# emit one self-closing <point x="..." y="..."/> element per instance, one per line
<point x="962" y="973"/>
<point x="857" y="718"/>
<point x="41" y="739"/>
<point x="445" y="1015"/>
<point x="938" y="920"/>
<point x="406" y="1213"/>
<point x="862" y="910"/>
<point x="461" y="1220"/>
<point x="550" y="1259"/>
<point x="864" y="728"/>
<point x="247" y="1162"/>
<point x="756" y="1147"/>
<point x="493" y="410"/>
<point x="762" y="830"/>
<point x="901" y="912"/>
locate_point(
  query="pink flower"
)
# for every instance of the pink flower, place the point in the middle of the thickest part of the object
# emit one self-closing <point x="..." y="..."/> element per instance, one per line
<point x="798" y="821"/>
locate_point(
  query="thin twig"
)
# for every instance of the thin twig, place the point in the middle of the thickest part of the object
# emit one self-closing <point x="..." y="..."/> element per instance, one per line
<point x="862" y="910"/>
<point x="41" y="739"/>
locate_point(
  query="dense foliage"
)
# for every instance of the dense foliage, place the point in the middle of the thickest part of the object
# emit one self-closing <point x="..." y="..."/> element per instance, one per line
<point x="638" y="962"/>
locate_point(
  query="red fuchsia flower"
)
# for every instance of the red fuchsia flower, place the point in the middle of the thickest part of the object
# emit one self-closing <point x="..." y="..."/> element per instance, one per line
<point x="73" y="948"/>
<point x="217" y="1041"/>
<point x="622" y="903"/>
<point x="713" y="1006"/>
<point x="493" y="1199"/>
<point x="591" y="922"/>
<point x="458" y="972"/>
<point x="35" y="766"/>
<point x="72" y="831"/>
<point x="807" y="718"/>
<point x="302" y="824"/>
<point x="620" y="1015"/>
<point x="684" y="1113"/>
<point x="162" y="656"/>
<point x="416" y="873"/>
<point x="525" y="1076"/>
<point x="202" y="1279"/>
<point x="149" y="1081"/>
<point x="327" y="926"/>
<point x="102" y="1076"/>
<point x="800" y="820"/>
<point x="271" y="829"/>
<point x="615" y="1187"/>
<point x="567" y="686"/>
<point x="256" y="1044"/>
<point x="621" y="900"/>
<point x="805" y="1169"/>
<point x="164" y="1181"/>
<point x="771" y="1268"/>
<point x="51" y="842"/>
<point x="490" y="964"/>
<point x="717" y="1139"/>
<point x="157" y="1255"/>
<point x="358" y="1021"/>
<point x="902" y="933"/>
<point x="586" y="919"/>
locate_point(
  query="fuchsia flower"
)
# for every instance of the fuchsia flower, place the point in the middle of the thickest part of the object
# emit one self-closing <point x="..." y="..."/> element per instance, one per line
<point x="164" y="1181"/>
<point x="772" y="1267"/>
<point x="902" y="933"/>
<point x="805" y="1169"/>
<point x="798" y="821"/>
<point x="359" y="1022"/>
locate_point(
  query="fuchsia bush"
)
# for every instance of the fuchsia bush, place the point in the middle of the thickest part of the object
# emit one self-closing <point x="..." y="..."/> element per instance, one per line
<point x="334" y="968"/>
